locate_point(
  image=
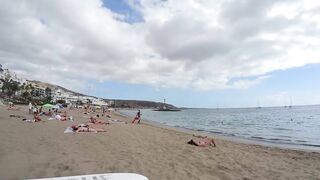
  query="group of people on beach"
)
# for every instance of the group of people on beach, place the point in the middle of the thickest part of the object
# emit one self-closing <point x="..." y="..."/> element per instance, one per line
<point x="92" y="109"/>
<point x="95" y="123"/>
<point x="51" y="113"/>
<point x="201" y="141"/>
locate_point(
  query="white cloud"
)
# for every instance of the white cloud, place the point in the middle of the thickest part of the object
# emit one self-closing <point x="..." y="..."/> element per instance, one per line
<point x="190" y="44"/>
<point x="245" y="83"/>
<point x="277" y="99"/>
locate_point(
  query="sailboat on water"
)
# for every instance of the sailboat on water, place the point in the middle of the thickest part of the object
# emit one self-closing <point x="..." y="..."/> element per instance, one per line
<point x="258" y="105"/>
<point x="290" y="106"/>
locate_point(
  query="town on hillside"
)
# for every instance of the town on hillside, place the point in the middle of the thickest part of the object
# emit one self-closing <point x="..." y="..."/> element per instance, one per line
<point x="22" y="91"/>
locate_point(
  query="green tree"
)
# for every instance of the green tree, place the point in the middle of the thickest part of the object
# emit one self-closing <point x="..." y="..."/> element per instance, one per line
<point x="9" y="86"/>
<point x="48" y="94"/>
<point x="26" y="96"/>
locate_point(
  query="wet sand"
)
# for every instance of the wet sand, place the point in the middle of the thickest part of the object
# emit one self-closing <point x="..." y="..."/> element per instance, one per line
<point x="39" y="150"/>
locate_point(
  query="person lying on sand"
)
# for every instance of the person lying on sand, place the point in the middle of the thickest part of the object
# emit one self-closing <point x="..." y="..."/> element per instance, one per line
<point x="117" y="121"/>
<point x="13" y="107"/>
<point x="60" y="118"/>
<point x="96" y="121"/>
<point x="78" y="128"/>
<point x="17" y="116"/>
<point x="202" y="142"/>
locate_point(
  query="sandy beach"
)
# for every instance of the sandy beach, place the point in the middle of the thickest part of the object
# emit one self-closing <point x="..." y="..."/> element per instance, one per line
<point x="39" y="150"/>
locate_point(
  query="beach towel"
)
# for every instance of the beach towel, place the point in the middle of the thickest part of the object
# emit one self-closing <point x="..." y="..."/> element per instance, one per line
<point x="116" y="121"/>
<point x="28" y="120"/>
<point x="68" y="130"/>
<point x="82" y="125"/>
<point x="17" y="116"/>
<point x="58" y="117"/>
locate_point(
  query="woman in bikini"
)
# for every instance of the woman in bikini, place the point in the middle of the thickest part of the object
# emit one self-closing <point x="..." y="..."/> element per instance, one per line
<point x="85" y="128"/>
<point x="96" y="121"/>
<point x="204" y="141"/>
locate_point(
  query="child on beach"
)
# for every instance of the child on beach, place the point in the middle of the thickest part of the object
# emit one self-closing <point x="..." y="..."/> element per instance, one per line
<point x="36" y="117"/>
<point x="49" y="113"/>
<point x="138" y="117"/>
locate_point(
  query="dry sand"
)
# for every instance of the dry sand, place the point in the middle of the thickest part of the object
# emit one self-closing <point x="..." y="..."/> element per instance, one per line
<point x="38" y="150"/>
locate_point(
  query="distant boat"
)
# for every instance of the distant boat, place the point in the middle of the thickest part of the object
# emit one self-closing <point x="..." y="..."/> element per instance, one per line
<point x="258" y="105"/>
<point x="290" y="102"/>
<point x="164" y="108"/>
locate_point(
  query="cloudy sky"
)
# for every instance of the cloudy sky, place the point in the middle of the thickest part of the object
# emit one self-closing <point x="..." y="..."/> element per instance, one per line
<point x="194" y="53"/>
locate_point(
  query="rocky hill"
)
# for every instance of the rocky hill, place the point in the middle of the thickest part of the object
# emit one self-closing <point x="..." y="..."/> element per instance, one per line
<point x="119" y="103"/>
<point x="56" y="87"/>
<point x="141" y="104"/>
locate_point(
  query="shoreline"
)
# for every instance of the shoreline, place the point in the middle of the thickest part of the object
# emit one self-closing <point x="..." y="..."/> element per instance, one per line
<point x="41" y="150"/>
<point x="234" y="139"/>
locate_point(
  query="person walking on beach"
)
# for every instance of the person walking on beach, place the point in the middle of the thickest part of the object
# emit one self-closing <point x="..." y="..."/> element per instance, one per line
<point x="35" y="109"/>
<point x="30" y="108"/>
<point x="138" y="117"/>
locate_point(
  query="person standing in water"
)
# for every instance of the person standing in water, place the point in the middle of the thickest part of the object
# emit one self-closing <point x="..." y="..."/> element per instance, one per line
<point x="138" y="117"/>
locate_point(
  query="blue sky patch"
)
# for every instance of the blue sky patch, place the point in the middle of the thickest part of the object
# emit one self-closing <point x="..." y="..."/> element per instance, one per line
<point x="122" y="7"/>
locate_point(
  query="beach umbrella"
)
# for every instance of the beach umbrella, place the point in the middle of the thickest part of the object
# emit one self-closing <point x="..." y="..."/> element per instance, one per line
<point x="56" y="107"/>
<point x="47" y="105"/>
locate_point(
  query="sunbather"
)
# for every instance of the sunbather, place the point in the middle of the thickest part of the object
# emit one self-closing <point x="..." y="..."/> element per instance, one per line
<point x="96" y="121"/>
<point x="17" y="116"/>
<point x="202" y="142"/>
<point x="13" y="107"/>
<point x="60" y="118"/>
<point x="78" y="128"/>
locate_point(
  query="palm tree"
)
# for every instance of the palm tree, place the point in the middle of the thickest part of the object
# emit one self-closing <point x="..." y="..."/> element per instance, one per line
<point x="9" y="87"/>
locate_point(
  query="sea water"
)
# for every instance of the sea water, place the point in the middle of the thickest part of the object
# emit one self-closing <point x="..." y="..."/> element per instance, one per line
<point x="299" y="125"/>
